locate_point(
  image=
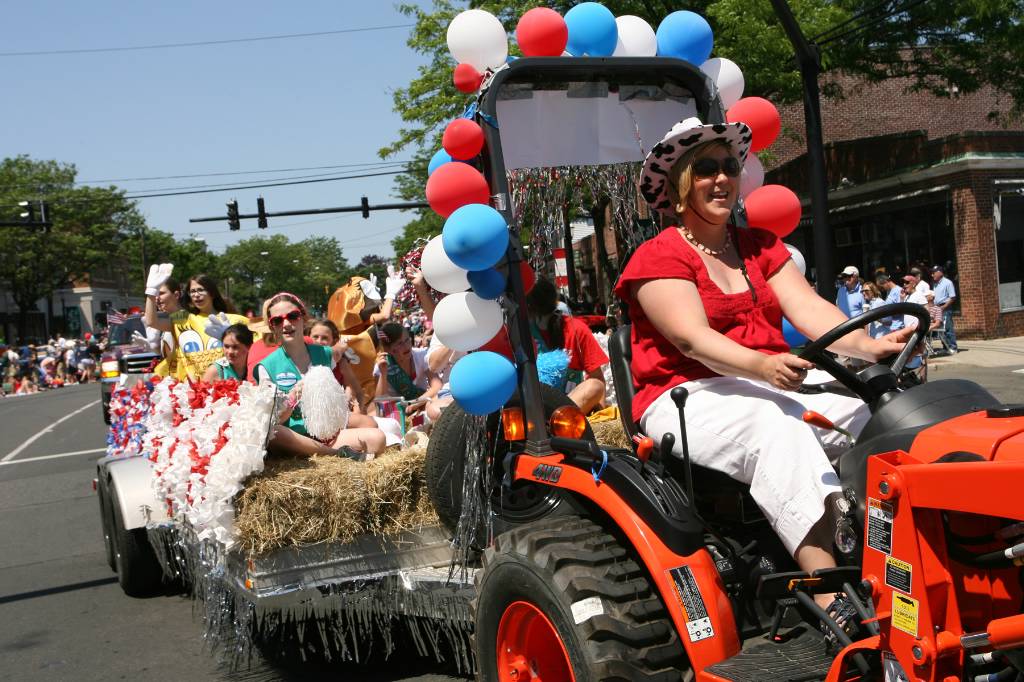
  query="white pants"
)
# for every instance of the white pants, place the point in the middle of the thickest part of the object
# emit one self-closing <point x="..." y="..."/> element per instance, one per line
<point x="755" y="434"/>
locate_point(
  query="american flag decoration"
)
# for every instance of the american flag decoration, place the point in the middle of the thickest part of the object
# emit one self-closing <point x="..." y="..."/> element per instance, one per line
<point x="115" y="317"/>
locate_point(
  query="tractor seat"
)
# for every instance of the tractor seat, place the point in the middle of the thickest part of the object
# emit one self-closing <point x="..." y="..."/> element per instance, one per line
<point x="620" y="352"/>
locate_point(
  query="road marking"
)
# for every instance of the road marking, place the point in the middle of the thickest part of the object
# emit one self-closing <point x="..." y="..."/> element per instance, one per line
<point x="57" y="456"/>
<point x="16" y="451"/>
<point x="1018" y="371"/>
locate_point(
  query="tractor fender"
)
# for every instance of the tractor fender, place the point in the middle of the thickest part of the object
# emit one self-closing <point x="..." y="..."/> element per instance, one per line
<point x="130" y="486"/>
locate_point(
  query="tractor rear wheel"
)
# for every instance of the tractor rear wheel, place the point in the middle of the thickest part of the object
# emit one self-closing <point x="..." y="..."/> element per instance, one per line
<point x="562" y="599"/>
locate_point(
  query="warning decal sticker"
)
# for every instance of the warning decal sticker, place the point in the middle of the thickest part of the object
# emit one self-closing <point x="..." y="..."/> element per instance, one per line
<point x="898" y="574"/>
<point x="698" y="625"/>
<point x="904" y="613"/>
<point x="879" y="525"/>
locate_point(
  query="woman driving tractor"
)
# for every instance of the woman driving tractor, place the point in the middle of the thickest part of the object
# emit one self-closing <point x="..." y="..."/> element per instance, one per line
<point x="707" y="300"/>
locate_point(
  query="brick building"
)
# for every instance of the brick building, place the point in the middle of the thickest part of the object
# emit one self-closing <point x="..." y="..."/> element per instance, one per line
<point x="915" y="178"/>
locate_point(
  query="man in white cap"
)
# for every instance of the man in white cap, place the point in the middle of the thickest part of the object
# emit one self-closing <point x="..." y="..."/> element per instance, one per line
<point x="850" y="299"/>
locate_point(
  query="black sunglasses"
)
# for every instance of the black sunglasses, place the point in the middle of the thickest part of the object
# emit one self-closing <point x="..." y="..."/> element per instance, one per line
<point x="278" y="320"/>
<point x="709" y="168"/>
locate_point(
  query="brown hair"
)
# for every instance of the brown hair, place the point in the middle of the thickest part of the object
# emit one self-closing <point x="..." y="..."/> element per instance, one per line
<point x="324" y="322"/>
<point x="680" y="177"/>
<point x="220" y="304"/>
<point x="868" y="287"/>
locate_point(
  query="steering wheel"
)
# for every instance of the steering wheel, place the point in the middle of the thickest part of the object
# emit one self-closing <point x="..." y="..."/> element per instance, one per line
<point x="856" y="382"/>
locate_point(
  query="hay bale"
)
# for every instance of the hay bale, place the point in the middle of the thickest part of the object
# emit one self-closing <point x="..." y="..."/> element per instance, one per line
<point x="297" y="501"/>
<point x="301" y="501"/>
<point x="397" y="490"/>
<point x="611" y="433"/>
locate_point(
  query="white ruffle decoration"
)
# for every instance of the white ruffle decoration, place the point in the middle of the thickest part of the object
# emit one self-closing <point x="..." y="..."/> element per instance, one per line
<point x="213" y="512"/>
<point x="324" y="403"/>
<point x="201" y="456"/>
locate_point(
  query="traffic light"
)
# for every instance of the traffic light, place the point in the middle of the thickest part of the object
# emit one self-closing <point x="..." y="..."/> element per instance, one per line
<point x="261" y="219"/>
<point x="365" y="203"/>
<point x="233" y="215"/>
<point x="28" y="211"/>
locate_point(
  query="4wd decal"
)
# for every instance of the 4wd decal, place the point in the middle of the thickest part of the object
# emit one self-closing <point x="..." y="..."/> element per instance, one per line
<point x="547" y="472"/>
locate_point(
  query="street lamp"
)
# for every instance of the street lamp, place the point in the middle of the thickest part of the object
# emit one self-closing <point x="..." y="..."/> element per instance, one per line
<point x="264" y="253"/>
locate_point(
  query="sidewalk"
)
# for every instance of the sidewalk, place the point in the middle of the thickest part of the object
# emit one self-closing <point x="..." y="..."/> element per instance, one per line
<point x="1007" y="352"/>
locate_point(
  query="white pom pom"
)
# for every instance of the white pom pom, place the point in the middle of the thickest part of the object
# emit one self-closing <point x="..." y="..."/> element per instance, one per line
<point x="323" y="403"/>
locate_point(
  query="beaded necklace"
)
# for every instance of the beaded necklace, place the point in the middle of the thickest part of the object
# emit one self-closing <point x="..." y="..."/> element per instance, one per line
<point x="711" y="252"/>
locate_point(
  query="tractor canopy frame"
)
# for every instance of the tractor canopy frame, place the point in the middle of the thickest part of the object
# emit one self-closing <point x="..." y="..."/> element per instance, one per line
<point x="595" y="111"/>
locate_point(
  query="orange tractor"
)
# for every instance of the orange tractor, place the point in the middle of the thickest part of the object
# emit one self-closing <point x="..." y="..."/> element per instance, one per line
<point x="637" y="565"/>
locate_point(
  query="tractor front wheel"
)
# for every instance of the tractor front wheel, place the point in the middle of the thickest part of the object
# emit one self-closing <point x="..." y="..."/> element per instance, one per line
<point x="562" y="599"/>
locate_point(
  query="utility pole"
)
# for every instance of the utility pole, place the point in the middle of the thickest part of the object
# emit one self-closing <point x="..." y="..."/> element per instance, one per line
<point x="808" y="58"/>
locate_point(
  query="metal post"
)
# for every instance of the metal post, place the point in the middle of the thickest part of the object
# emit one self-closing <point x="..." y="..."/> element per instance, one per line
<point x="142" y="248"/>
<point x="570" y="261"/>
<point x="809" y="60"/>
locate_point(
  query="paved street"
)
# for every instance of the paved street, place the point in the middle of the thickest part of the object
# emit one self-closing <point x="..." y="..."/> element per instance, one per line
<point x="62" y="614"/>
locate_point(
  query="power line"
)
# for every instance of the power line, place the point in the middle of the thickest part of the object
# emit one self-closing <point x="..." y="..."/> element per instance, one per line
<point x="232" y="184"/>
<point x="163" y="46"/>
<point x="248" y="172"/>
<point x="860" y="28"/>
<point x="853" y="18"/>
<point x="224" y="189"/>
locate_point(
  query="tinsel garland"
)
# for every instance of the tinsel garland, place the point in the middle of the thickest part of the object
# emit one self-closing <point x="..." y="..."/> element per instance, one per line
<point x="541" y="198"/>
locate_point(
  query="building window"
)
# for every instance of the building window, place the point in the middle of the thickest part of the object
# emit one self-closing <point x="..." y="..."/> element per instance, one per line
<point x="1009" y="220"/>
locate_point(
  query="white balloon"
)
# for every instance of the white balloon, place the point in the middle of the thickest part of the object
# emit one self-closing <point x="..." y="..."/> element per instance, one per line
<point x="477" y="37"/>
<point x="752" y="176"/>
<point x="465" y="321"/>
<point x="798" y="259"/>
<point x="636" y="38"/>
<point x="439" y="271"/>
<point x="727" y="77"/>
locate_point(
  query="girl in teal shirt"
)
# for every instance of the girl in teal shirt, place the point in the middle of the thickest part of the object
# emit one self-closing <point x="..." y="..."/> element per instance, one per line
<point x="237" y="340"/>
<point x="286" y="366"/>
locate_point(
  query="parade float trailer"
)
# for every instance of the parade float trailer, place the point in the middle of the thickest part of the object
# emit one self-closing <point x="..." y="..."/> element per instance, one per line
<point x="567" y="559"/>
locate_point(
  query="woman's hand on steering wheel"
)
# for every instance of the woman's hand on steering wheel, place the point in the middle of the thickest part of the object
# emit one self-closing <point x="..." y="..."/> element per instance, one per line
<point x="785" y="370"/>
<point x="883" y="347"/>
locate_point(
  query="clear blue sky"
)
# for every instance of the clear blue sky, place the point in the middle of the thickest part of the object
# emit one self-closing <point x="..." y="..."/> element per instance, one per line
<point x="313" y="101"/>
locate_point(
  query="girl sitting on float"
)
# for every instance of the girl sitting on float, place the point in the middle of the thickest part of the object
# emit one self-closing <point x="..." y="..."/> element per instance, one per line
<point x="553" y="330"/>
<point x="237" y="340"/>
<point x="402" y="370"/>
<point x="286" y="367"/>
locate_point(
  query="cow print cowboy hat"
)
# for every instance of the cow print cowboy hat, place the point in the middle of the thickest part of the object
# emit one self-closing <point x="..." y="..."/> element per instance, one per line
<point x="682" y="137"/>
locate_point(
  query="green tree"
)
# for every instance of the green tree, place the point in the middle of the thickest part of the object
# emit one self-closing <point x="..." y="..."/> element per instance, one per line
<point x="259" y="267"/>
<point x="190" y="255"/>
<point x="943" y="47"/>
<point x="86" y="221"/>
<point x="372" y="264"/>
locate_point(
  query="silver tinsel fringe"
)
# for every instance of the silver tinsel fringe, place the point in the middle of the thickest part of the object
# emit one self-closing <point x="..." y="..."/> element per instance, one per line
<point x="352" y="621"/>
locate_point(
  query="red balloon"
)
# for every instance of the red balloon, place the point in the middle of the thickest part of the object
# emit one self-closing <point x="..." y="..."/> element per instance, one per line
<point x="542" y="32"/>
<point x="467" y="79"/>
<point x="528" y="276"/>
<point x="454" y="185"/>
<point x="762" y="117"/>
<point x="463" y="139"/>
<point x="774" y="208"/>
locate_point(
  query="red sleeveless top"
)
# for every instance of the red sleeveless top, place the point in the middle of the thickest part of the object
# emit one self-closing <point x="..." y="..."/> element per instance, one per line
<point x="657" y="364"/>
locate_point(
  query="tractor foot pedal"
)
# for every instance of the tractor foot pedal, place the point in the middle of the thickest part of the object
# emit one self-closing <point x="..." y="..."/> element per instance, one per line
<point x="800" y="658"/>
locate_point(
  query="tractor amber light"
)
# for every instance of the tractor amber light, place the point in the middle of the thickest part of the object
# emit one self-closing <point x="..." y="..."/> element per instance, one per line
<point x="109" y="370"/>
<point x="568" y="421"/>
<point x="513" y="424"/>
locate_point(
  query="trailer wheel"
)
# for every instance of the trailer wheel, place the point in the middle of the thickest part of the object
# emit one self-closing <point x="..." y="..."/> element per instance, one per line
<point x="107" y="523"/>
<point x="562" y="599"/>
<point x="138" y="570"/>
<point x="444" y="465"/>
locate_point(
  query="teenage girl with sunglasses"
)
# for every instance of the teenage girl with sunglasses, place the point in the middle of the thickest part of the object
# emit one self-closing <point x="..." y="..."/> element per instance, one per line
<point x="286" y="366"/>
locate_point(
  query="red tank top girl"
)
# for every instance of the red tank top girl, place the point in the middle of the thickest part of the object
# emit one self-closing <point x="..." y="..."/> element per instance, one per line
<point x="750" y="318"/>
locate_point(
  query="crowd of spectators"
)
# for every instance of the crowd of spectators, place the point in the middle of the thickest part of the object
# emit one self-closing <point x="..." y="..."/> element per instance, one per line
<point x="27" y="367"/>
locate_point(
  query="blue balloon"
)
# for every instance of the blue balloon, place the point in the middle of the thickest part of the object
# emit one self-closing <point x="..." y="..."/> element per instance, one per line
<point x="792" y="336"/>
<point x="685" y="35"/>
<point x="592" y="30"/>
<point x="489" y="283"/>
<point x="475" y="237"/>
<point x="482" y="382"/>
<point x="440" y="158"/>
